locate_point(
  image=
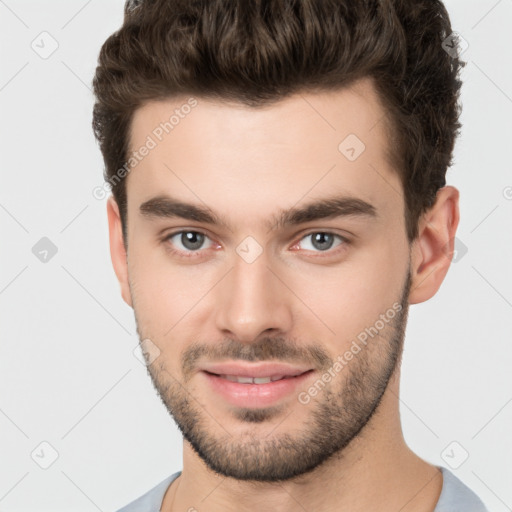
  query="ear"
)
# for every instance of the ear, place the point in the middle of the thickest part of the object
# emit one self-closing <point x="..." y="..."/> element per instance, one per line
<point x="432" y="250"/>
<point x="117" y="249"/>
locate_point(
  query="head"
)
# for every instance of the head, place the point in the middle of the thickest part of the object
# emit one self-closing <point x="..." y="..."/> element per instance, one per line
<point x="278" y="179"/>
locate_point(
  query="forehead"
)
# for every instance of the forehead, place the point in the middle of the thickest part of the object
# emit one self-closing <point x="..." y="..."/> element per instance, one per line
<point x="237" y="158"/>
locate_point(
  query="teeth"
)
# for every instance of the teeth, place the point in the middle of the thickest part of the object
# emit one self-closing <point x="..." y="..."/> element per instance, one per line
<point x="252" y="380"/>
<point x="244" y="380"/>
<point x="261" y="380"/>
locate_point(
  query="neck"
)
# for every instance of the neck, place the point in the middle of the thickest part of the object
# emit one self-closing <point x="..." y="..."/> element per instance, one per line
<point x="376" y="471"/>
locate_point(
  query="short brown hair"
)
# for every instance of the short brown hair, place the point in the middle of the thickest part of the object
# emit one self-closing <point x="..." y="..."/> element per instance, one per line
<point x="256" y="52"/>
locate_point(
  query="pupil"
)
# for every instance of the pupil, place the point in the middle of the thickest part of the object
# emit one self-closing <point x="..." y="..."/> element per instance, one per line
<point x="192" y="240"/>
<point x="322" y="241"/>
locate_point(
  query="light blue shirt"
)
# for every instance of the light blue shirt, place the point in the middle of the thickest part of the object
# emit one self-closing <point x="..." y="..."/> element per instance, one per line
<point x="455" y="496"/>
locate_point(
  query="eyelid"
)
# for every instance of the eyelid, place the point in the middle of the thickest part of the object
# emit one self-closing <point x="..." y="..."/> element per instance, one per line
<point x="198" y="252"/>
<point x="329" y="252"/>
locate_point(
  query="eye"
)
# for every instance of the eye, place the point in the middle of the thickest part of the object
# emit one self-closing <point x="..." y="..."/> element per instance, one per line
<point x="322" y="241"/>
<point x="187" y="241"/>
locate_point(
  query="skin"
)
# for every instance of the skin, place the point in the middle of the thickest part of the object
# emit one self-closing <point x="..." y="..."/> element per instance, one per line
<point x="247" y="165"/>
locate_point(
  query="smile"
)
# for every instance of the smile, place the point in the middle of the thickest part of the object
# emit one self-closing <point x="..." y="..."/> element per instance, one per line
<point x="253" y="380"/>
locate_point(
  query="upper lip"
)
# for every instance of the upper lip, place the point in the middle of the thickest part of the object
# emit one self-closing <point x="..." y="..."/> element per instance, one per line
<point x="254" y="369"/>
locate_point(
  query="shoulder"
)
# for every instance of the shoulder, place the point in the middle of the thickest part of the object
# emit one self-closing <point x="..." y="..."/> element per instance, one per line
<point x="456" y="496"/>
<point x="151" y="500"/>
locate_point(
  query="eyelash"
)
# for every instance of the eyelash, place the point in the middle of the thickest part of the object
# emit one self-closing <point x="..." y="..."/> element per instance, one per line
<point x="197" y="253"/>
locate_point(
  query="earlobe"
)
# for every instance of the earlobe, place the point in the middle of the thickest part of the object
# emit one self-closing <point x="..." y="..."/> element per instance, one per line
<point x="117" y="249"/>
<point x="432" y="251"/>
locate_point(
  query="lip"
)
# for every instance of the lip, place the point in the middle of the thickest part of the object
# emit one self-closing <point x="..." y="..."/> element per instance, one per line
<point x="254" y="395"/>
<point x="254" y="369"/>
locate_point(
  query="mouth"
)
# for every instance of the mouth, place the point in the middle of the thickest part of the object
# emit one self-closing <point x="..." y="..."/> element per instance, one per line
<point x="262" y="370"/>
<point x="254" y="385"/>
<point x="241" y="379"/>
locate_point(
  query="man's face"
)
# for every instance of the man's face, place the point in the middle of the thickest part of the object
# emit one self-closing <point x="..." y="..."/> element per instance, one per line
<point x="250" y="292"/>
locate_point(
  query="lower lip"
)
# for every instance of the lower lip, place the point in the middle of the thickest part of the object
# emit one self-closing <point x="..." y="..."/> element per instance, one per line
<point x="255" y="395"/>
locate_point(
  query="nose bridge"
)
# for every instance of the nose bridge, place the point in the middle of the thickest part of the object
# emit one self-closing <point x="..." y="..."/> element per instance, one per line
<point x="252" y="300"/>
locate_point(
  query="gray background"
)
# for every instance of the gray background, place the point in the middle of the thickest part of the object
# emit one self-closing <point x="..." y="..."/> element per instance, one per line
<point x="68" y="374"/>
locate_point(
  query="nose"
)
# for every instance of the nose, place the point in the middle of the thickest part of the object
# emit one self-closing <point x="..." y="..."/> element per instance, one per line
<point x="253" y="301"/>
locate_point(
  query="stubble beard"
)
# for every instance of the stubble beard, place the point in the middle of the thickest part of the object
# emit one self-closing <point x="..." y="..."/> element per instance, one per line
<point x="337" y="415"/>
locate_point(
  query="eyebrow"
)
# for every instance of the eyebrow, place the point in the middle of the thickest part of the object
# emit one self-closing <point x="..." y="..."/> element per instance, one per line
<point x="166" y="207"/>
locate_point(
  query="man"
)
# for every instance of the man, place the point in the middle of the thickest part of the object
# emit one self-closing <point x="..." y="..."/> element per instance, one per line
<point x="279" y="199"/>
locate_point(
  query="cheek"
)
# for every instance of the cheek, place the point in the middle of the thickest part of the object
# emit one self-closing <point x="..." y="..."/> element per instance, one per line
<point x="351" y="297"/>
<point x="164" y="292"/>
